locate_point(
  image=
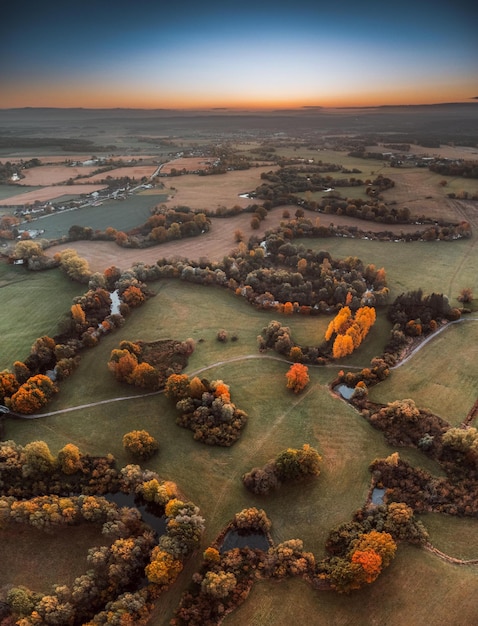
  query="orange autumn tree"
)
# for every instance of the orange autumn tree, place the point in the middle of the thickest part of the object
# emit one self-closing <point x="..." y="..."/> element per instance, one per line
<point x="372" y="551"/>
<point x="370" y="563"/>
<point x="78" y="314"/>
<point x="297" y="377"/>
<point x="34" y="394"/>
<point x="349" y="330"/>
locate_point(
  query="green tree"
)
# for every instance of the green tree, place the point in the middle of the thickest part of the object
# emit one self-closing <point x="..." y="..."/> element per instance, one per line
<point x="38" y="460"/>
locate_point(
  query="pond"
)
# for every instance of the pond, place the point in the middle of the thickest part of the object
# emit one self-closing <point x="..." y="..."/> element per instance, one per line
<point x="115" y="302"/>
<point x="345" y="391"/>
<point x="235" y="539"/>
<point x="377" y="495"/>
<point x="155" y="519"/>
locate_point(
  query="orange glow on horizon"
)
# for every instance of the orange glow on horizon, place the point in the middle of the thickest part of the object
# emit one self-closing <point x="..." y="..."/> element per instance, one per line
<point x="45" y="96"/>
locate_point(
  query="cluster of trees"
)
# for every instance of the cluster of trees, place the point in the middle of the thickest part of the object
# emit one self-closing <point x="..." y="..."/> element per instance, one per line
<point x="8" y="169"/>
<point x="33" y="395"/>
<point x="148" y="365"/>
<point x="31" y="383"/>
<point x="280" y="184"/>
<point x="403" y="423"/>
<point x="164" y="225"/>
<point x="440" y="230"/>
<point x="308" y="282"/>
<point x="348" y="330"/>
<point x="357" y="552"/>
<point x="414" y="314"/>
<point x="205" y="408"/>
<point x="417" y="313"/>
<point x="290" y="465"/>
<point x="467" y="169"/>
<point x="455" y="495"/>
<point x="36" y="489"/>
<point x="278" y="338"/>
<point x="367" y="377"/>
<point x="74" y="266"/>
<point x="31" y="470"/>
<point x="225" y="578"/>
<point x="168" y="224"/>
<point x="8" y="227"/>
<point x="283" y="184"/>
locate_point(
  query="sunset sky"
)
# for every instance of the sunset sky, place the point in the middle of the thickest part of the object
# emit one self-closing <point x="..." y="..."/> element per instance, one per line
<point x="183" y="54"/>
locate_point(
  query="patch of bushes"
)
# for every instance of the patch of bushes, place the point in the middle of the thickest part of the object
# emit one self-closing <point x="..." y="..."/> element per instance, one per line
<point x="290" y="465"/>
<point x="206" y="409"/>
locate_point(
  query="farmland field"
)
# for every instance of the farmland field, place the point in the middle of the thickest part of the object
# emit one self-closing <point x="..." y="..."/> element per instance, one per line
<point x="53" y="174"/>
<point x="8" y="191"/>
<point x="49" y="193"/>
<point x="119" y="214"/>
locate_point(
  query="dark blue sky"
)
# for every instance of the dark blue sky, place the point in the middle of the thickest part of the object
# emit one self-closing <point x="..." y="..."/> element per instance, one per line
<point x="189" y="54"/>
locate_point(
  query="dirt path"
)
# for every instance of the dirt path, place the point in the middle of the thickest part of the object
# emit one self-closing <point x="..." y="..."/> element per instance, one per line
<point x="235" y="360"/>
<point x="469" y="213"/>
<point x="430" y="337"/>
<point x="448" y="558"/>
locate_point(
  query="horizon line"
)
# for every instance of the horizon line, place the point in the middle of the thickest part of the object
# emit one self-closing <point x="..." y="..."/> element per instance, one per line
<point x="308" y="108"/>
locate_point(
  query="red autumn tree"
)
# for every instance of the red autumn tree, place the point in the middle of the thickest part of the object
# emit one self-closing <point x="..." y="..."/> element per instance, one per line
<point x="288" y="308"/>
<point x="297" y="377"/>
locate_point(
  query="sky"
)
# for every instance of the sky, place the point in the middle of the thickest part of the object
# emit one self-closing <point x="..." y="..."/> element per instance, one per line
<point x="240" y="54"/>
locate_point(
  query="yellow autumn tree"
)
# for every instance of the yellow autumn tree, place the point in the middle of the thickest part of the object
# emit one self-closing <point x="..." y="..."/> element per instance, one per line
<point x="163" y="568"/>
<point x="349" y="330"/>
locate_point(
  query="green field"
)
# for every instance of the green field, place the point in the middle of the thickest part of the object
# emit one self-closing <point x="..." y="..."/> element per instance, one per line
<point x="277" y="420"/>
<point x="441" y="377"/>
<point x="434" y="266"/>
<point x="8" y="191"/>
<point x="456" y="536"/>
<point x="418" y="588"/>
<point x="120" y="214"/>
<point x="33" y="303"/>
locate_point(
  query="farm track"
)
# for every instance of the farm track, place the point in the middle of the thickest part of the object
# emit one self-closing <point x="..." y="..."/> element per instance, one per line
<point x="235" y="360"/>
<point x="448" y="558"/>
<point x="469" y="213"/>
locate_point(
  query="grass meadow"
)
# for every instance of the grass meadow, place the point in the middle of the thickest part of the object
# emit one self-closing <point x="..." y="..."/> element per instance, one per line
<point x="434" y="266"/>
<point x="418" y="588"/>
<point x="441" y="377"/>
<point x="211" y="477"/>
<point x="32" y="305"/>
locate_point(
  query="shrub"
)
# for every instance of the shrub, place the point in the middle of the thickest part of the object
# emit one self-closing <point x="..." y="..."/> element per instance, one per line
<point x="140" y="443"/>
